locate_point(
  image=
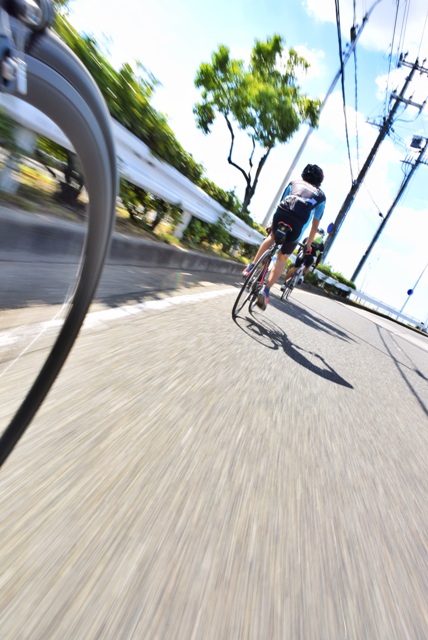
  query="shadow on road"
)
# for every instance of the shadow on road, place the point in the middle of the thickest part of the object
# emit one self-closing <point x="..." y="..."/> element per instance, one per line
<point x="48" y="284"/>
<point x="270" y="335"/>
<point x="316" y="322"/>
<point x="400" y="366"/>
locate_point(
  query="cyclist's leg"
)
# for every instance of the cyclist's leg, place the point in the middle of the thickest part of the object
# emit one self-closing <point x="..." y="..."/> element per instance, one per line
<point x="290" y="273"/>
<point x="265" y="245"/>
<point x="278" y="270"/>
<point x="279" y="216"/>
<point x="275" y="273"/>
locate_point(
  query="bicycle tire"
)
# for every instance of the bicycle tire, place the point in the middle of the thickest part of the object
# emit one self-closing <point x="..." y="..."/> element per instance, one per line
<point x="291" y="285"/>
<point x="61" y="88"/>
<point x="251" y="286"/>
<point x="287" y="291"/>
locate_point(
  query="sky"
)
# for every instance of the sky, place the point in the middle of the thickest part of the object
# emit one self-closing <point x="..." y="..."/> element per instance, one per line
<point x="171" y="39"/>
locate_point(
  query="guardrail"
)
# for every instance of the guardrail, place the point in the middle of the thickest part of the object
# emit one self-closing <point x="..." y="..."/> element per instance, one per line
<point x="138" y="165"/>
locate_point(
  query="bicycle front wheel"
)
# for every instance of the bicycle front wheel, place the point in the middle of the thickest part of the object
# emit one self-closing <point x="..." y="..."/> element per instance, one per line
<point x="60" y="89"/>
<point x="288" y="289"/>
<point x="253" y="284"/>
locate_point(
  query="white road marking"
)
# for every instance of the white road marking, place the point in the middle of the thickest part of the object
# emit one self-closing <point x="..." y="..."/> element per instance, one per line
<point x="12" y="337"/>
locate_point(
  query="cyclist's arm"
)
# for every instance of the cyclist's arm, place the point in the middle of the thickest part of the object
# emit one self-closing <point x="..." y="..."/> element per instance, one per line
<point x="318" y="213"/>
<point x="313" y="231"/>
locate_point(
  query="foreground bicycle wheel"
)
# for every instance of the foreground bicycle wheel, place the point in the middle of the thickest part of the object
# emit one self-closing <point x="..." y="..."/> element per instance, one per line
<point x="252" y="285"/>
<point x="60" y="88"/>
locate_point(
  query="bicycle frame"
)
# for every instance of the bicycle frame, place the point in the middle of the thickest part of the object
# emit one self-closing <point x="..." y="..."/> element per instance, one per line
<point x="295" y="279"/>
<point x="255" y="281"/>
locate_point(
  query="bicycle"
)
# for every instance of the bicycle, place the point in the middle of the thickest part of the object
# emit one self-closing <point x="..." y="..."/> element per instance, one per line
<point x="294" y="281"/>
<point x="37" y="67"/>
<point x="255" y="281"/>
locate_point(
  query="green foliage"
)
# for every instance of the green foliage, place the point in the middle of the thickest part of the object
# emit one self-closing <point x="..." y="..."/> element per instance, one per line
<point x="340" y="278"/>
<point x="247" y="250"/>
<point x="135" y="200"/>
<point x="264" y="100"/>
<point x="216" y="233"/>
<point x="196" y="231"/>
<point x="312" y="278"/>
<point x="328" y="271"/>
<point x="330" y="288"/>
<point x="227" y="199"/>
<point x="7" y="131"/>
<point x="127" y="93"/>
<point x="325" y="268"/>
<point x="258" y="227"/>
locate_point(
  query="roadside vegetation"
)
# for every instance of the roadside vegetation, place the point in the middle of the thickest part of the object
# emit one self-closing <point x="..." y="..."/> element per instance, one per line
<point x="246" y="97"/>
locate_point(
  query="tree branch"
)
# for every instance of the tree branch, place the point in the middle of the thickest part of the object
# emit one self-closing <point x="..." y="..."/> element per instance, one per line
<point x="260" y="167"/>
<point x="229" y="159"/>
<point x="252" y="153"/>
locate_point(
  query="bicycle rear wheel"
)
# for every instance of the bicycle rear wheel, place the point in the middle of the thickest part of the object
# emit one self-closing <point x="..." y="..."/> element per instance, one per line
<point x="60" y="87"/>
<point x="253" y="284"/>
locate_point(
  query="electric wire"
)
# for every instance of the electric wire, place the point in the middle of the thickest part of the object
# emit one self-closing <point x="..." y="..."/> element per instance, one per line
<point x="390" y="56"/>
<point x="342" y="70"/>
<point x="423" y="33"/>
<point x="356" y="91"/>
<point x="404" y="25"/>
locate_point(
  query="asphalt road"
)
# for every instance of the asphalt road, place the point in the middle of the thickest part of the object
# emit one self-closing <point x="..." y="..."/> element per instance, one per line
<point x="192" y="477"/>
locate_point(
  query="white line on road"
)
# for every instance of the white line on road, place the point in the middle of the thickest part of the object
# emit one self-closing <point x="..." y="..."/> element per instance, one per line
<point x="12" y="337"/>
<point x="96" y="317"/>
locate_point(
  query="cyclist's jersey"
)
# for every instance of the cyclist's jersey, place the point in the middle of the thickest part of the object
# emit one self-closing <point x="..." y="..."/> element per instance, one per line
<point x="303" y="201"/>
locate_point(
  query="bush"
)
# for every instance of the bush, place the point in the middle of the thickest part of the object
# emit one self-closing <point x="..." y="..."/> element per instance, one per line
<point x="196" y="231"/>
<point x="330" y="288"/>
<point x="312" y="278"/>
<point x="328" y="271"/>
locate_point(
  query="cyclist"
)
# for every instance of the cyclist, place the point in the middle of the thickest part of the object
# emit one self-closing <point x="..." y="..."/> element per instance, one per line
<point x="302" y="201"/>
<point x="309" y="257"/>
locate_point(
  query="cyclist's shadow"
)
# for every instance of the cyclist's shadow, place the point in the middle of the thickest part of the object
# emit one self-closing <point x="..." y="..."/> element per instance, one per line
<point x="271" y="336"/>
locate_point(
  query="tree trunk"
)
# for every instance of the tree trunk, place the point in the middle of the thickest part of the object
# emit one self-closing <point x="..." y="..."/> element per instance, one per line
<point x="249" y="192"/>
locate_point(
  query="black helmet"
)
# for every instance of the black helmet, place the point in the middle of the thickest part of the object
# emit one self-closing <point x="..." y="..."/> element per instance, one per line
<point x="313" y="174"/>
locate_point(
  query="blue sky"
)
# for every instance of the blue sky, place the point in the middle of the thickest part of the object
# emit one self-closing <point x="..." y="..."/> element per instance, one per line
<point x="171" y="39"/>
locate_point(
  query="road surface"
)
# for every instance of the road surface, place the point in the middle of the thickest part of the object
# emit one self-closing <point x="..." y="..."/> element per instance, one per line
<point x="192" y="477"/>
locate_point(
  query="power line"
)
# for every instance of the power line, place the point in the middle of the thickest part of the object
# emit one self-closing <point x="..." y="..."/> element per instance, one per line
<point x="423" y="33"/>
<point x="384" y="130"/>
<point x="356" y="109"/>
<point x="342" y="70"/>
<point x="414" y="166"/>
<point x="390" y="56"/>
<point x="404" y="24"/>
<point x="310" y="130"/>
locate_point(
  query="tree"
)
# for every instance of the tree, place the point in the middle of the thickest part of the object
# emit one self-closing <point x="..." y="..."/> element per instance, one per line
<point x="263" y="100"/>
<point x="128" y="93"/>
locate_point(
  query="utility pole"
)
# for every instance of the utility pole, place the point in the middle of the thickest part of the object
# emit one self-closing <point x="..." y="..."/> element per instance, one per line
<point x="384" y="130"/>
<point x="404" y="184"/>
<point x="354" y="39"/>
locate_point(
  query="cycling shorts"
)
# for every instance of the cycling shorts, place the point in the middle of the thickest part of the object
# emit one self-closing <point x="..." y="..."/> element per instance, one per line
<point x="307" y="259"/>
<point x="297" y="224"/>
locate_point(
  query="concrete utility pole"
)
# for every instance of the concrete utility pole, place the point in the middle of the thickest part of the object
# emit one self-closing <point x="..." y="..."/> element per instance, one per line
<point x="384" y="130"/>
<point x="354" y="39"/>
<point x="404" y="184"/>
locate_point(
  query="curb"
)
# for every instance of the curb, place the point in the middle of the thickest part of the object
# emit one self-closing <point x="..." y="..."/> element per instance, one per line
<point x="25" y="234"/>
